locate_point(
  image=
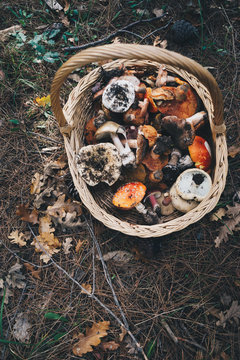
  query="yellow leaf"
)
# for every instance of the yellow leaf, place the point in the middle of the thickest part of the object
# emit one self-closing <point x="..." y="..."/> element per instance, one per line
<point x="43" y="101"/>
<point x="18" y="239"/>
<point x="87" y="287"/>
<point x="92" y="338"/>
<point x="218" y="214"/>
<point x="45" y="225"/>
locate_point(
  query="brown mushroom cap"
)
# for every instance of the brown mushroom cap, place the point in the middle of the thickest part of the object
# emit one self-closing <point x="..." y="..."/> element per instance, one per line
<point x="129" y="195"/>
<point x="150" y="133"/>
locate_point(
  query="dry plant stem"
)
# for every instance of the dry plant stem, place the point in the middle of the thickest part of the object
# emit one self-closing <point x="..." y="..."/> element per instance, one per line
<point x="45" y="137"/>
<point x="111" y="36"/>
<point x="91" y="295"/>
<point x="170" y="332"/>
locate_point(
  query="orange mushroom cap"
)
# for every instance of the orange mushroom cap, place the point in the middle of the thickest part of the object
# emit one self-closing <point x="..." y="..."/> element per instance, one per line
<point x="200" y="153"/>
<point x="129" y="195"/>
<point x="152" y="106"/>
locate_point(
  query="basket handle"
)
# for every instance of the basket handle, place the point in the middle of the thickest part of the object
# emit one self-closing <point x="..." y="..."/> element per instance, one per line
<point x="139" y="52"/>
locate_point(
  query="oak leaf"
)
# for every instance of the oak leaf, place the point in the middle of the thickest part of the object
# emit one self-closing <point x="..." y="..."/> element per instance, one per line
<point x="218" y="214"/>
<point x="92" y="338"/>
<point x="234" y="150"/>
<point x="37" y="183"/>
<point x="67" y="244"/>
<point x="18" y="238"/>
<point x="26" y="214"/>
<point x="35" y="273"/>
<point x="232" y="313"/>
<point x="21" y="328"/>
<point x="87" y="287"/>
<point x="227" y="229"/>
<point x="65" y="212"/>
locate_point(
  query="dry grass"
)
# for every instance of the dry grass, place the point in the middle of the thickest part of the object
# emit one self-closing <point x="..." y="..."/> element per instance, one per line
<point x="172" y="291"/>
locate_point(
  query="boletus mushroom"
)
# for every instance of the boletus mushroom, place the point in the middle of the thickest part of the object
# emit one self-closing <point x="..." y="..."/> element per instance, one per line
<point x="99" y="163"/>
<point x="182" y="131"/>
<point x="129" y="196"/>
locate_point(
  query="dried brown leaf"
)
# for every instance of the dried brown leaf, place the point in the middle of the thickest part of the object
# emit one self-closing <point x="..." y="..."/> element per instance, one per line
<point x="37" y="183"/>
<point x="87" y="287"/>
<point x="122" y="334"/>
<point x="79" y="245"/>
<point x="234" y="150"/>
<point x="233" y="211"/>
<point x="67" y="244"/>
<point x="21" y="328"/>
<point x="218" y="214"/>
<point x="65" y="213"/>
<point x="26" y="214"/>
<point x="226" y="230"/>
<point x="15" y="278"/>
<point x="158" y="12"/>
<point x="8" y="293"/>
<point x="17" y="238"/>
<point x="110" y="345"/>
<point x="232" y="313"/>
<point x="92" y="338"/>
<point x="54" y="5"/>
<point x="118" y="255"/>
<point x="5" y="33"/>
<point x="34" y="273"/>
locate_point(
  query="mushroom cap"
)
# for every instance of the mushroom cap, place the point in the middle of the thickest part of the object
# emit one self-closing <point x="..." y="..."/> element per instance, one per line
<point x="118" y="96"/>
<point x="155" y="164"/>
<point x="179" y="203"/>
<point x="193" y="184"/>
<point x="99" y="163"/>
<point x="200" y="153"/>
<point x="109" y="127"/>
<point x="129" y="195"/>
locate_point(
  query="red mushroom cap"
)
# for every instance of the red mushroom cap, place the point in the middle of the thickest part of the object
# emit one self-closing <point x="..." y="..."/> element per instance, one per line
<point x="129" y="195"/>
<point x="200" y="153"/>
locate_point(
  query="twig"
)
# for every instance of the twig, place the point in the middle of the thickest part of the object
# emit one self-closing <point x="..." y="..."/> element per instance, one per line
<point x="111" y="36"/>
<point x="170" y="332"/>
<point x="156" y="30"/>
<point x="91" y="295"/>
<point x="44" y="137"/>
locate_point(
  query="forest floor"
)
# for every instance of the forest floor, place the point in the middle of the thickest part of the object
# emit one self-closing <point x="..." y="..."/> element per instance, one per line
<point x="177" y="295"/>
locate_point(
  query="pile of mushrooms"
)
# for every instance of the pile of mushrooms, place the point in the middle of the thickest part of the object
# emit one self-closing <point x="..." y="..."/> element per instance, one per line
<point x="145" y="137"/>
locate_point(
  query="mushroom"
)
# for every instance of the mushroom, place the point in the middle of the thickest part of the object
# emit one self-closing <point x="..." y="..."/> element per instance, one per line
<point x="152" y="198"/>
<point x="137" y="116"/>
<point x="113" y="130"/>
<point x="183" y="105"/>
<point x="163" y="77"/>
<point x="183" y="130"/>
<point x="129" y="196"/>
<point x="193" y="184"/>
<point x="118" y="96"/>
<point x="165" y="204"/>
<point x="99" y="163"/>
<point x="152" y="106"/>
<point x="185" y="162"/>
<point x="179" y="203"/>
<point x="91" y="127"/>
<point x="135" y="174"/>
<point x="150" y="133"/>
<point x="140" y="91"/>
<point x="162" y="146"/>
<point x="200" y="153"/>
<point x="155" y="176"/>
<point x="155" y="164"/>
<point x="171" y="170"/>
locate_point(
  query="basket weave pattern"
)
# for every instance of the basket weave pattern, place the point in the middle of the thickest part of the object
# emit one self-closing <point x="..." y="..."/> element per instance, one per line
<point x="78" y="110"/>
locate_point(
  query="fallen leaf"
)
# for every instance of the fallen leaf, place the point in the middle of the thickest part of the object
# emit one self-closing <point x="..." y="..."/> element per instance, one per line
<point x="67" y="244"/>
<point x="8" y="293"/>
<point x="226" y="230"/>
<point x="234" y="150"/>
<point x="5" y="33"/>
<point x="233" y="211"/>
<point x="232" y="313"/>
<point x="17" y="238"/>
<point x="34" y="273"/>
<point x="87" y="287"/>
<point x="79" y="245"/>
<point x="1" y="283"/>
<point x="158" y="12"/>
<point x="54" y="5"/>
<point x="161" y="43"/>
<point x="21" y="328"/>
<point x="118" y="255"/>
<point x="26" y="214"/>
<point x="15" y="278"/>
<point x="110" y="345"/>
<point x="225" y="299"/>
<point x="116" y="40"/>
<point x="40" y="198"/>
<point x="74" y="77"/>
<point x="45" y="225"/>
<point x="122" y="334"/>
<point x="92" y="338"/>
<point x="43" y="101"/>
<point x="37" y="183"/>
<point x="218" y="214"/>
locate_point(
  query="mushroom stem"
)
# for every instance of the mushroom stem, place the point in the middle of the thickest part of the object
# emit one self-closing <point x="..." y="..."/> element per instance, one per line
<point x="152" y="198"/>
<point x="125" y="152"/>
<point x="148" y="215"/>
<point x="171" y="170"/>
<point x="197" y="119"/>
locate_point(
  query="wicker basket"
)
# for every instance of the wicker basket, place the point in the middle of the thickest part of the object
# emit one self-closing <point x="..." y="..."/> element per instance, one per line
<point x="78" y="110"/>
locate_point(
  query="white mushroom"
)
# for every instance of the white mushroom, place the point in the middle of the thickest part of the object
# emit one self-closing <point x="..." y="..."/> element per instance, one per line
<point x="118" y="96"/>
<point x="179" y="203"/>
<point x="193" y="184"/>
<point x="113" y="130"/>
<point x="99" y="163"/>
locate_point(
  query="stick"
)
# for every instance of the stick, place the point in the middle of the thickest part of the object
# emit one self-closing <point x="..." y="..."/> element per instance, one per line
<point x="111" y="36"/>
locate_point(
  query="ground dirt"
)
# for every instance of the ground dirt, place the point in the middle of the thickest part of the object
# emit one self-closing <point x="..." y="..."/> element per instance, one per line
<point x="175" y="291"/>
